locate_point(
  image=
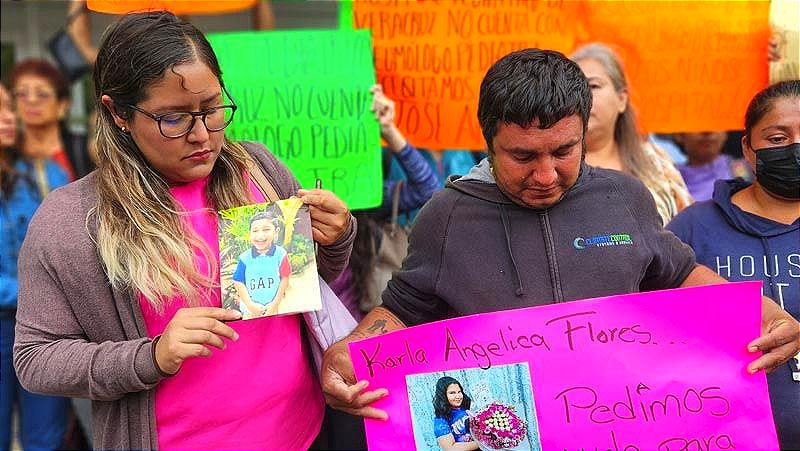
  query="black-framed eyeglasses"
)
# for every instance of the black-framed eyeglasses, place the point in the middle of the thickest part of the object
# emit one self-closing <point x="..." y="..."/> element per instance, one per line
<point x="179" y="123"/>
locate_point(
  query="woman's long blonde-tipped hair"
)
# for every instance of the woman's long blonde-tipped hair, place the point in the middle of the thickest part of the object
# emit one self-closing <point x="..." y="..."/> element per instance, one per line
<point x="145" y="241"/>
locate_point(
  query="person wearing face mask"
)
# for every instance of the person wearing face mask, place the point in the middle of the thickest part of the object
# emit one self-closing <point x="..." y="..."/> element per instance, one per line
<point x="527" y="227"/>
<point x="751" y="230"/>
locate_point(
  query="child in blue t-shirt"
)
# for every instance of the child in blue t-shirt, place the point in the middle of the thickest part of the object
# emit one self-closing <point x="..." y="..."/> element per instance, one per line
<point x="263" y="270"/>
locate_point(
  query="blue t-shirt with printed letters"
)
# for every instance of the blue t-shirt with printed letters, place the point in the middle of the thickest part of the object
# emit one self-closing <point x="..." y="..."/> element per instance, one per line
<point x="261" y="274"/>
<point x="458" y="425"/>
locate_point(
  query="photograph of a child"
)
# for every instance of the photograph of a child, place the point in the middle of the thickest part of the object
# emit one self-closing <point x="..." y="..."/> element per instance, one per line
<point x="265" y="266"/>
<point x="267" y="259"/>
<point x="474" y="409"/>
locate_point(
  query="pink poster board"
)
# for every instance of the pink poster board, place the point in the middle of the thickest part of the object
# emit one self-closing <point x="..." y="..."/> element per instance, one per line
<point x="661" y="370"/>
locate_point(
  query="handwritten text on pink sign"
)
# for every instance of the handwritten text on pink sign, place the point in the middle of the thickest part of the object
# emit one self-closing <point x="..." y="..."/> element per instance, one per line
<point x="652" y="371"/>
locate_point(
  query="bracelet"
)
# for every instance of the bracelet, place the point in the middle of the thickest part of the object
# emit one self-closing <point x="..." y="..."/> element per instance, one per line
<point x="155" y="362"/>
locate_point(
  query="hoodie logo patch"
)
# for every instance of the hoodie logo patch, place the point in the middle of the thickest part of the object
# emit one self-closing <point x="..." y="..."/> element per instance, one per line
<point x="618" y="239"/>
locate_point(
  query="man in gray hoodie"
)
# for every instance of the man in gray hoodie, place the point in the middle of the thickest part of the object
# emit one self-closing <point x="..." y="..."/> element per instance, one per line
<point x="533" y="225"/>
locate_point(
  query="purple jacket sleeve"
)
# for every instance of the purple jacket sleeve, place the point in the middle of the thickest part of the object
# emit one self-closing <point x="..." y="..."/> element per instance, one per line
<point x="420" y="184"/>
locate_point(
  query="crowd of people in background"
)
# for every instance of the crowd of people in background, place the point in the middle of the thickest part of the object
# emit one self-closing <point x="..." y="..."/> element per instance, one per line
<point x="758" y="220"/>
<point x="126" y="185"/>
<point x="25" y="182"/>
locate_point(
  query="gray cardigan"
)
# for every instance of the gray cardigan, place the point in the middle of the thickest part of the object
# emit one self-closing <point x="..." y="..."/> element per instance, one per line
<point x="78" y="337"/>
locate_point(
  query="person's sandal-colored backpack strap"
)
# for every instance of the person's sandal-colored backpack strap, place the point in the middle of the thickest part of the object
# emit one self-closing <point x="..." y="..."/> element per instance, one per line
<point x="261" y="180"/>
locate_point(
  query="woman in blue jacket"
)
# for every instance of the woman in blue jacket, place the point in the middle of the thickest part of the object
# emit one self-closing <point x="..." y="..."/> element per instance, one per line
<point x="751" y="231"/>
<point x="23" y="184"/>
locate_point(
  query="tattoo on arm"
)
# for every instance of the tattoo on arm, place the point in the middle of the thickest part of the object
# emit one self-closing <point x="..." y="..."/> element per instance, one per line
<point x="377" y="322"/>
<point x="378" y="326"/>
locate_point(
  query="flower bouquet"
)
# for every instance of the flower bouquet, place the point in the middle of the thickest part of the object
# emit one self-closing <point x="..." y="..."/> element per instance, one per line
<point x="498" y="427"/>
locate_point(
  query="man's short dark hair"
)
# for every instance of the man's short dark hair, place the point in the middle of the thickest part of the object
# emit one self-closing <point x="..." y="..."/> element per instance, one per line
<point x="532" y="85"/>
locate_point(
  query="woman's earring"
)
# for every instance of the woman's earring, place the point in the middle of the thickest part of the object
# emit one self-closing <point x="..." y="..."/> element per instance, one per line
<point x="124" y="129"/>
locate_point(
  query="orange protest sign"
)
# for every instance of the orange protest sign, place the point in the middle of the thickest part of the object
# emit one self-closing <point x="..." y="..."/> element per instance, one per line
<point x="430" y="57"/>
<point x="175" y="6"/>
<point x="691" y="65"/>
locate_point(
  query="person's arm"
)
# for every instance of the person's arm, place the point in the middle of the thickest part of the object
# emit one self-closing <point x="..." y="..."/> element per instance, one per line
<point x="445" y="437"/>
<point x="449" y="443"/>
<point x="263" y="15"/>
<point x="339" y="384"/>
<point x="284" y="272"/>
<point x="421" y="181"/>
<point x="282" y="289"/>
<point x="383" y="108"/>
<point x="52" y="352"/>
<point x="80" y="30"/>
<point x="780" y="333"/>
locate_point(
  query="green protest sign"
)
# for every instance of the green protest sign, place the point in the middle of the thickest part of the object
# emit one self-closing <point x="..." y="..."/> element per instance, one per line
<point x="305" y="95"/>
<point x="346" y="14"/>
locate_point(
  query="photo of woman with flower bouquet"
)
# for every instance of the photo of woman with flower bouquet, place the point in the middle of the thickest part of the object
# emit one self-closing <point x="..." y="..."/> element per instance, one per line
<point x="474" y="409"/>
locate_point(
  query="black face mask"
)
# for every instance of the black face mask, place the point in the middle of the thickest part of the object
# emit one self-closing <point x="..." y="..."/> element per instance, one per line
<point x="778" y="170"/>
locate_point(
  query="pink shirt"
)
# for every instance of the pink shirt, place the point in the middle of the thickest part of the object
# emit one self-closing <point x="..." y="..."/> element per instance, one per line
<point x="258" y="393"/>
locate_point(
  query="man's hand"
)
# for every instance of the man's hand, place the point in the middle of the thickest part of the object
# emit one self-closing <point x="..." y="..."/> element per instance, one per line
<point x="779" y="340"/>
<point x="340" y="387"/>
<point x="337" y="377"/>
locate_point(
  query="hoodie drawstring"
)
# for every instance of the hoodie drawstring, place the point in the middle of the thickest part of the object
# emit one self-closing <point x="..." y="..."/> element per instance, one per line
<point x="767" y="255"/>
<point x="507" y="229"/>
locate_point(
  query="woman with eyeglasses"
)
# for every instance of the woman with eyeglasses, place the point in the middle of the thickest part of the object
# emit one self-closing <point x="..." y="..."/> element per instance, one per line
<point x="126" y="260"/>
<point x="42" y="100"/>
